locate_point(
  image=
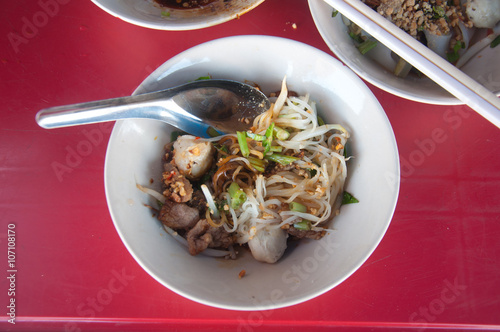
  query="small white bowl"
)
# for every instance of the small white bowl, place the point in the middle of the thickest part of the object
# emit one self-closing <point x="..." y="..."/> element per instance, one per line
<point x="135" y="150"/>
<point x="484" y="67"/>
<point x="149" y="14"/>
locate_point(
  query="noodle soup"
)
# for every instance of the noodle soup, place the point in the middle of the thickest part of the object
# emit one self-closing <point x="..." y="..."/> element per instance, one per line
<point x="136" y="148"/>
<point x="283" y="180"/>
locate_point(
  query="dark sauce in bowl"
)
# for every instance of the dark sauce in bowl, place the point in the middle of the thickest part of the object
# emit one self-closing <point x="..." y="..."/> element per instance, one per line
<point x="184" y="4"/>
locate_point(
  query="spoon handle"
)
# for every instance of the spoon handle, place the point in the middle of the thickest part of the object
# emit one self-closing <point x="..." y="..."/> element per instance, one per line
<point x="432" y="65"/>
<point x="139" y="106"/>
<point x="159" y="105"/>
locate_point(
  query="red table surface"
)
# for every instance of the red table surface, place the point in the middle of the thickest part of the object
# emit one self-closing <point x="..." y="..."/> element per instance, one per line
<point x="437" y="267"/>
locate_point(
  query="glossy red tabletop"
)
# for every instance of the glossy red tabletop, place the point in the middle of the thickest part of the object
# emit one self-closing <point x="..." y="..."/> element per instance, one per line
<point x="66" y="269"/>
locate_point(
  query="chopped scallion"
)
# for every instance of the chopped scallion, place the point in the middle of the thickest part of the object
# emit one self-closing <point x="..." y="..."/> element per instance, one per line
<point x="270" y="130"/>
<point x="269" y="138"/>
<point x="258" y="164"/>
<point x="242" y="141"/>
<point x="237" y="195"/>
<point x="402" y="68"/>
<point x="297" y="207"/>
<point x="256" y="137"/>
<point x="281" y="159"/>
<point x="281" y="133"/>
<point x="356" y="37"/>
<point x="367" y="45"/>
<point x="304" y="225"/>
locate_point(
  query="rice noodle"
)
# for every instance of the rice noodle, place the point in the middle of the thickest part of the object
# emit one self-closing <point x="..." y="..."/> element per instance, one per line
<point x="210" y="200"/>
<point x="269" y="194"/>
<point x="312" y="177"/>
<point x="151" y="192"/>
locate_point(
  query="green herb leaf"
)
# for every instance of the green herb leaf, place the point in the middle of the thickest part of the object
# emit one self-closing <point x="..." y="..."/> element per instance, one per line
<point x="453" y="55"/>
<point x="321" y="122"/>
<point x="347" y="149"/>
<point x="312" y="172"/>
<point x="438" y="11"/>
<point x="222" y="148"/>
<point x="348" y="198"/>
<point x="495" y="42"/>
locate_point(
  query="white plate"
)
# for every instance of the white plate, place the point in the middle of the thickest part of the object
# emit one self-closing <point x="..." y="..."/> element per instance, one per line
<point x="135" y="150"/>
<point x="149" y="14"/>
<point x="374" y="67"/>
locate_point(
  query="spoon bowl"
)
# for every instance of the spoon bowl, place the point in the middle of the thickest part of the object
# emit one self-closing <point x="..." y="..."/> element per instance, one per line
<point x="202" y="108"/>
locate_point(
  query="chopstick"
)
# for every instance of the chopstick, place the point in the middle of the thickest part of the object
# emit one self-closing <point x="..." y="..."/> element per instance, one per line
<point x="473" y="94"/>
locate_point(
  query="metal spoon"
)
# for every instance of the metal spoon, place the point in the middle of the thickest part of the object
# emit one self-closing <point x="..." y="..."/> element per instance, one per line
<point x="197" y="108"/>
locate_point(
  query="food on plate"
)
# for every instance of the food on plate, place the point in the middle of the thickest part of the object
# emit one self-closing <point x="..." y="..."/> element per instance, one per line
<point x="282" y="180"/>
<point x="184" y="4"/>
<point x="448" y="27"/>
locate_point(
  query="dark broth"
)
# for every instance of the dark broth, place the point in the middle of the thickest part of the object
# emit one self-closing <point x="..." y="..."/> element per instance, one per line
<point x="184" y="4"/>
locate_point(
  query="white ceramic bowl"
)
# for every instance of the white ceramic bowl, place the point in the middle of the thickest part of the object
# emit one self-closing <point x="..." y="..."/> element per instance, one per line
<point x="149" y="14"/>
<point x="135" y="150"/>
<point x="484" y="67"/>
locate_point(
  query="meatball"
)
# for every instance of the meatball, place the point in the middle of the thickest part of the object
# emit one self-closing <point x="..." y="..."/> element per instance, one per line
<point x="269" y="244"/>
<point x="483" y="13"/>
<point x="193" y="156"/>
